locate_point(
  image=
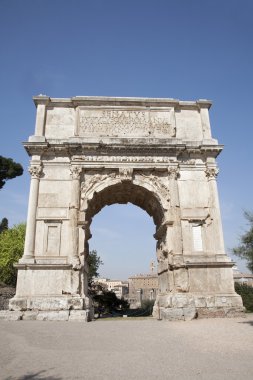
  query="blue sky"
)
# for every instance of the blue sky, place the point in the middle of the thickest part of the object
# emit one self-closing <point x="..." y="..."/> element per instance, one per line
<point x="177" y="49"/>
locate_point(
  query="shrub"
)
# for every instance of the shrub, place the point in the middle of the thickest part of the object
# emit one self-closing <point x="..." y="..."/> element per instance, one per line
<point x="11" y="250"/>
<point x="246" y="292"/>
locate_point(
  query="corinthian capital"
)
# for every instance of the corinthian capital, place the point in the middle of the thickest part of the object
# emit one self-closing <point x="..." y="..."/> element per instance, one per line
<point x="35" y="171"/>
<point x="211" y="173"/>
<point x="173" y="172"/>
<point x="75" y="171"/>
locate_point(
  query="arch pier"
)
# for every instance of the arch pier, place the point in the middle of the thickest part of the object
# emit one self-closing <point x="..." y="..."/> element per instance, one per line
<point x="89" y="152"/>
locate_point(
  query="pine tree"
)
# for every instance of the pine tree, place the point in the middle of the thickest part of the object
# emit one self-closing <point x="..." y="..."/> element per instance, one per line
<point x="3" y="225"/>
<point x="245" y="249"/>
<point x="8" y="169"/>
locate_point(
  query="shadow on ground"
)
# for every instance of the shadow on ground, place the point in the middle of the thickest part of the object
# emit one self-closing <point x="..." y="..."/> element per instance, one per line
<point x="247" y="322"/>
<point x="41" y="375"/>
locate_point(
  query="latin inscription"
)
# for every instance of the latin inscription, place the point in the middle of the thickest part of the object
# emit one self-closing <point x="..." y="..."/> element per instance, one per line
<point x="137" y="123"/>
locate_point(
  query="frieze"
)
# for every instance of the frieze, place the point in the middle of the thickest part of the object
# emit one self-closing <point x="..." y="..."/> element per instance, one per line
<point x="126" y="122"/>
<point x="123" y="159"/>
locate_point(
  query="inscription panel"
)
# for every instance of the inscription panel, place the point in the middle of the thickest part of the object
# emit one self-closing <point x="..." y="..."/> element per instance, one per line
<point x="126" y="122"/>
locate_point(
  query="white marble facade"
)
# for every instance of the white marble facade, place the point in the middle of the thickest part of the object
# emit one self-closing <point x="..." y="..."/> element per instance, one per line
<point x="88" y="152"/>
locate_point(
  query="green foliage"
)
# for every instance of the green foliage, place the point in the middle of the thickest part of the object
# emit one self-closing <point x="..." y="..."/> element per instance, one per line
<point x="246" y="292"/>
<point x="245" y="249"/>
<point x="94" y="261"/>
<point x="11" y="250"/>
<point x="3" y="225"/>
<point x="106" y="302"/>
<point x="8" y="169"/>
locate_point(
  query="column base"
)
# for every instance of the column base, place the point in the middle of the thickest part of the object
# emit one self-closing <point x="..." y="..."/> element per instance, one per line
<point x="26" y="260"/>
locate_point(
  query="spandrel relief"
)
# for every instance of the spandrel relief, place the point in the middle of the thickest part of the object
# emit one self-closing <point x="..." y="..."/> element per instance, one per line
<point x="157" y="181"/>
<point x="93" y="178"/>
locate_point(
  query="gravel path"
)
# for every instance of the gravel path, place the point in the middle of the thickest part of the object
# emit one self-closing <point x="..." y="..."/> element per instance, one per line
<point x="128" y="349"/>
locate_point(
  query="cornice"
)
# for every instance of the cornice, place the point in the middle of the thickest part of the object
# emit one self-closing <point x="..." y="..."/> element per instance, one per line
<point x="41" y="99"/>
<point x="120" y="101"/>
<point x="35" y="148"/>
<point x="130" y="147"/>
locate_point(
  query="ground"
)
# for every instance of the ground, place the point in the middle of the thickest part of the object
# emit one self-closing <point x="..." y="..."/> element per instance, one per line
<point x="128" y="349"/>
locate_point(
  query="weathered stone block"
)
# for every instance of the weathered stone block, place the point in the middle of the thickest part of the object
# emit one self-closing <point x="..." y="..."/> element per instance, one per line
<point x="8" y="315"/>
<point x="29" y="315"/>
<point x="211" y="312"/>
<point x="76" y="303"/>
<point x="235" y="312"/>
<point x="171" y="314"/>
<point x="200" y="302"/>
<point x="189" y="313"/>
<point x="79" y="316"/>
<point x="46" y="303"/>
<point x="17" y="304"/>
<point x="61" y="315"/>
<point x="182" y="300"/>
<point x="181" y="279"/>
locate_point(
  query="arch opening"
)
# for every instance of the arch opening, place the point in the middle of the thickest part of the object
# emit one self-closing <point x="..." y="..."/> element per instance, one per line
<point x="123" y="193"/>
<point x="123" y="236"/>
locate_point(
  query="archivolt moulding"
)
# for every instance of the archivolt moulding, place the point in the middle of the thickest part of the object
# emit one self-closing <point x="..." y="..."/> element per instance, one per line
<point x="111" y="187"/>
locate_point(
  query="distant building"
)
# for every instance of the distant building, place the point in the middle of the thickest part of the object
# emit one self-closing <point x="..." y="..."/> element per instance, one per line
<point x="243" y="278"/>
<point x="138" y="288"/>
<point x="119" y="287"/>
<point x="143" y="287"/>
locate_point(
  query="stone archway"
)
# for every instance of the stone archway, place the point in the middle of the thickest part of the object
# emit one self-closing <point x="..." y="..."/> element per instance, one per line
<point x="158" y="154"/>
<point x="113" y="187"/>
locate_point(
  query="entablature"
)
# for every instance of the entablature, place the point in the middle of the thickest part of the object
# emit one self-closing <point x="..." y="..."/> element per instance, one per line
<point x="128" y="149"/>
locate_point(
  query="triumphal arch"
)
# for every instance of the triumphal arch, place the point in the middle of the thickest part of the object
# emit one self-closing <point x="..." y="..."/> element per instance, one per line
<point x="159" y="154"/>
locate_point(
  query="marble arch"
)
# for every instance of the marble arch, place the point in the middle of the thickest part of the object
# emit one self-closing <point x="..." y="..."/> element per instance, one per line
<point x="159" y="154"/>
